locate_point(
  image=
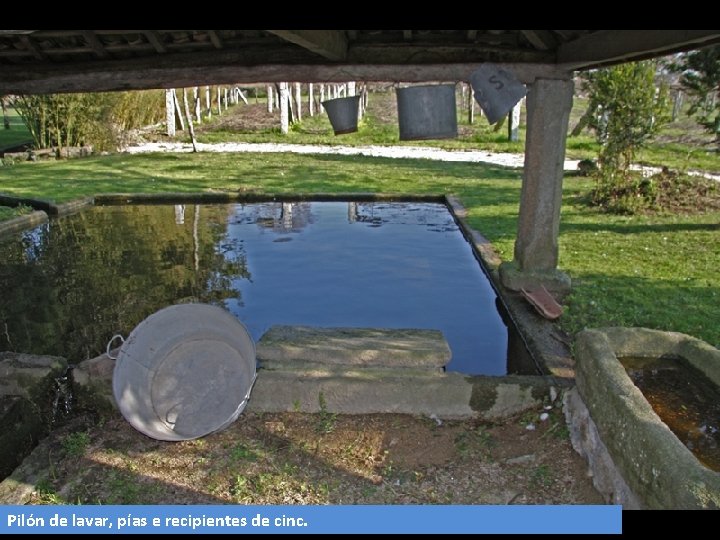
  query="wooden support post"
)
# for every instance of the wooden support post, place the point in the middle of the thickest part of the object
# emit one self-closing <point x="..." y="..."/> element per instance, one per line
<point x="471" y="106"/>
<point x="361" y="102"/>
<point x="208" y="102"/>
<point x="196" y="100"/>
<point x="298" y="102"/>
<point x="284" y="97"/>
<point x="270" y="99"/>
<point x="514" y="123"/>
<point x="170" y="112"/>
<point x="311" y="104"/>
<point x="536" y="246"/>
<point x="179" y="114"/>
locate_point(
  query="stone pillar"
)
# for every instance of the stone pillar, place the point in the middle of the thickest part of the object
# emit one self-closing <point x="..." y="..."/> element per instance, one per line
<point x="536" y="247"/>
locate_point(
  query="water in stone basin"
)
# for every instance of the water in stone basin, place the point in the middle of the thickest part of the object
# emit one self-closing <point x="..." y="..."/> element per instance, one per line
<point x="69" y="285"/>
<point x="685" y="399"/>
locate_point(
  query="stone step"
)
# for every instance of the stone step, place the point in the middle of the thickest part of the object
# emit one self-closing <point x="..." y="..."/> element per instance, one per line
<point x="362" y="391"/>
<point x="289" y="347"/>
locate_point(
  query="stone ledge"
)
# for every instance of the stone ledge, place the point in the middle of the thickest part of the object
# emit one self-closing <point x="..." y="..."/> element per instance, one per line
<point x="358" y="390"/>
<point x="362" y="391"/>
<point x="21" y="223"/>
<point x="290" y="346"/>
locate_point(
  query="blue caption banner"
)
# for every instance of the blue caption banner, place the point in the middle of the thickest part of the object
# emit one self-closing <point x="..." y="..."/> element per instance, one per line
<point x="363" y="519"/>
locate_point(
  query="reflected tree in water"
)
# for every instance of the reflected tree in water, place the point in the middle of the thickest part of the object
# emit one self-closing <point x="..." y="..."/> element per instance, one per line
<point x="67" y="286"/>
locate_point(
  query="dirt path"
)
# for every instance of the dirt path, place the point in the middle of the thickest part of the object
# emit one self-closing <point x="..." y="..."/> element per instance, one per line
<point x="295" y="458"/>
<point x="413" y="152"/>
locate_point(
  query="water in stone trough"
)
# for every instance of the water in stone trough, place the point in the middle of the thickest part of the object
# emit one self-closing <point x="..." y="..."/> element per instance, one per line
<point x="67" y="286"/>
<point x="687" y="401"/>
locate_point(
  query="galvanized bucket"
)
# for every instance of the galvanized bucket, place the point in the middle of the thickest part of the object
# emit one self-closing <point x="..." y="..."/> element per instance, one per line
<point x="427" y="112"/>
<point x="496" y="90"/>
<point x="185" y="372"/>
<point x="343" y="114"/>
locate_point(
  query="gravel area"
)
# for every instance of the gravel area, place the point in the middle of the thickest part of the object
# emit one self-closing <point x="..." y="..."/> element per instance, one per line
<point x="413" y="152"/>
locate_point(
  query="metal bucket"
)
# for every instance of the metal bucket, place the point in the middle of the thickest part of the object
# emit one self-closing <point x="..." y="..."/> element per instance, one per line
<point x="343" y="114"/>
<point x="496" y="90"/>
<point x="427" y="112"/>
<point x="185" y="372"/>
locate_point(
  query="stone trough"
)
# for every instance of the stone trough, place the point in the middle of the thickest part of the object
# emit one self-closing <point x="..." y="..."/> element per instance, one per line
<point x="636" y="459"/>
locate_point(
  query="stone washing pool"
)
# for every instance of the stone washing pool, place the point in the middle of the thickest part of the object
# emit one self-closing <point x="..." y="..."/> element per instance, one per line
<point x="68" y="285"/>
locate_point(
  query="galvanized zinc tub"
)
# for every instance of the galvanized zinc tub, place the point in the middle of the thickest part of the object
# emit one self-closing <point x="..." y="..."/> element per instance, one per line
<point x="185" y="372"/>
<point x="343" y="114"/>
<point x="427" y="112"/>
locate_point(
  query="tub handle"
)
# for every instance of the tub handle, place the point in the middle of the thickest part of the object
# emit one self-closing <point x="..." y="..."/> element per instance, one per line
<point x="108" y="349"/>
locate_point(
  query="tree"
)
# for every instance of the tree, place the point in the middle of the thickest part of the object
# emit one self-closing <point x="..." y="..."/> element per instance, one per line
<point x="99" y="119"/>
<point x="188" y="114"/>
<point x="700" y="78"/>
<point x="6" y="120"/>
<point x="628" y="109"/>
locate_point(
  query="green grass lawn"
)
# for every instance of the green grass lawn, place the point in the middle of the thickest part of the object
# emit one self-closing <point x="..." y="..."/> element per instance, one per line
<point x="7" y="213"/>
<point x="654" y="271"/>
<point x="17" y="134"/>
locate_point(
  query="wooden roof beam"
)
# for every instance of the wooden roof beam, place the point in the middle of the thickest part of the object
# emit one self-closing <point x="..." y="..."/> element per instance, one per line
<point x="615" y="46"/>
<point x="330" y="44"/>
<point x="136" y="74"/>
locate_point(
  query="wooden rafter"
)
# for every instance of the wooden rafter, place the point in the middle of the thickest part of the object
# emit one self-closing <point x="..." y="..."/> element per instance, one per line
<point x="154" y="40"/>
<point x="95" y="43"/>
<point x="330" y="44"/>
<point x="33" y="47"/>
<point x="216" y="41"/>
<point x="540" y="39"/>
